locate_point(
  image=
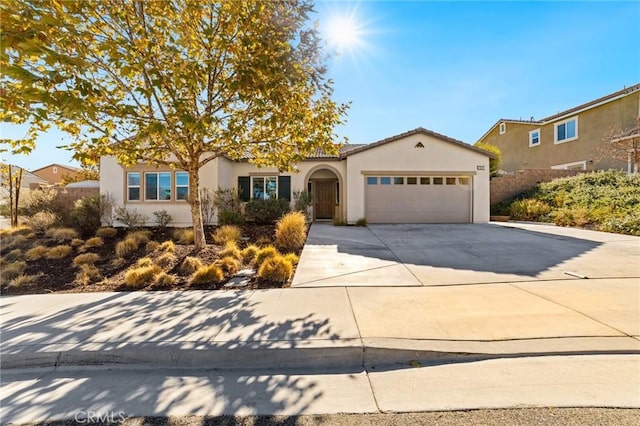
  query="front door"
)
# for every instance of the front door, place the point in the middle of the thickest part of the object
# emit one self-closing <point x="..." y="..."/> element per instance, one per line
<point x="325" y="199"/>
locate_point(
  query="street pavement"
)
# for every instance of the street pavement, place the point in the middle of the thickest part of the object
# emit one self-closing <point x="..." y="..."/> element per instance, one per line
<point x="542" y="339"/>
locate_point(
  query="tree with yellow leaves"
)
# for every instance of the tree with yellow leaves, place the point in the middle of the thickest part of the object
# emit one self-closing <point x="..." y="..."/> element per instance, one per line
<point x="175" y="83"/>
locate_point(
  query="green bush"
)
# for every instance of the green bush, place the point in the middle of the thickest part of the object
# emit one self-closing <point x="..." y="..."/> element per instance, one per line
<point x="266" y="211"/>
<point x="291" y="231"/>
<point x="86" y="214"/>
<point x="361" y="222"/>
<point x="529" y="209"/>
<point x="163" y="218"/>
<point x="131" y="218"/>
<point x="227" y="217"/>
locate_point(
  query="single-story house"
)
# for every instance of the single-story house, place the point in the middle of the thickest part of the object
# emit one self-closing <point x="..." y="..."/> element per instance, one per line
<point x="418" y="176"/>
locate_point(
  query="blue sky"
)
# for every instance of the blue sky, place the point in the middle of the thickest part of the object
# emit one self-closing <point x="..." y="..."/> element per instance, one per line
<point x="457" y="67"/>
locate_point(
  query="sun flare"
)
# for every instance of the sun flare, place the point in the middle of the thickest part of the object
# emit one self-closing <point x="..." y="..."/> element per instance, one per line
<point x="343" y="32"/>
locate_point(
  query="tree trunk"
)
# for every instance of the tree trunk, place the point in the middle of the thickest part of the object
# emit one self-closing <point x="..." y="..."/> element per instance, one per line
<point x="196" y="212"/>
<point x="18" y="185"/>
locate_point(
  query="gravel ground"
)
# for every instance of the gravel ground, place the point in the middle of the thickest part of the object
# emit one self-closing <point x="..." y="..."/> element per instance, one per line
<point x="524" y="416"/>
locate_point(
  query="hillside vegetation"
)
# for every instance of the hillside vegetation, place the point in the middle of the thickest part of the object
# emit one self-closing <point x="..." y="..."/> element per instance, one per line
<point x="605" y="201"/>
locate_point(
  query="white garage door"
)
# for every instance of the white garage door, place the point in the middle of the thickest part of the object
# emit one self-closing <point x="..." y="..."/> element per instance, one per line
<point x="418" y="199"/>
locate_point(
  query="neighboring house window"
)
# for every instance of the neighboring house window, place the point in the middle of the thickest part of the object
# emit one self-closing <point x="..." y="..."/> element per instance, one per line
<point x="264" y="187"/>
<point x="534" y="137"/>
<point x="503" y="128"/>
<point x="182" y="185"/>
<point x="133" y="186"/>
<point x="55" y="170"/>
<point x="157" y="186"/>
<point x="566" y="130"/>
<point x="578" y="165"/>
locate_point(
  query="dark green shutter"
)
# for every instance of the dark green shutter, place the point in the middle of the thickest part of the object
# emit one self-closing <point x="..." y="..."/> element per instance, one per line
<point x="244" y="187"/>
<point x="284" y="187"/>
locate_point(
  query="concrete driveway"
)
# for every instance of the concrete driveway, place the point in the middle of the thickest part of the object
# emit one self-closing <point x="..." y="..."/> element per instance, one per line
<point x="432" y="255"/>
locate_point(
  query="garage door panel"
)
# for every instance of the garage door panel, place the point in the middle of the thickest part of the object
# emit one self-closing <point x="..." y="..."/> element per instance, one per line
<point x="418" y="203"/>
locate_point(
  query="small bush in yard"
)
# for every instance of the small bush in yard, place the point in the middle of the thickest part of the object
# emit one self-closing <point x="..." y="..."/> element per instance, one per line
<point x="58" y="252"/>
<point x="126" y="247"/>
<point x="141" y="276"/>
<point x="36" y="253"/>
<point x="152" y="246"/>
<point x="164" y="279"/>
<point x="106" y="232"/>
<point x="88" y="273"/>
<point x="183" y="236"/>
<point x="249" y="253"/>
<point x="190" y="265"/>
<point x="361" y="222"/>
<point x="61" y="234"/>
<point x="94" y="242"/>
<point x="529" y="209"/>
<point x="11" y="270"/>
<point x="77" y="242"/>
<point x="14" y="255"/>
<point x="144" y="261"/>
<point x="207" y="274"/>
<point x="167" y="246"/>
<point x="141" y="237"/>
<point x="24" y="280"/>
<point x="85" y="259"/>
<point x="292" y="257"/>
<point x="163" y="218"/>
<point x="227" y="234"/>
<point x="86" y="214"/>
<point x="131" y="218"/>
<point x="229" y="265"/>
<point x="275" y="269"/>
<point x="165" y="259"/>
<point x="266" y="211"/>
<point x="571" y="217"/>
<point x="291" y="231"/>
<point x="264" y="254"/>
<point x="230" y="249"/>
<point x="226" y="217"/>
<point x="42" y="221"/>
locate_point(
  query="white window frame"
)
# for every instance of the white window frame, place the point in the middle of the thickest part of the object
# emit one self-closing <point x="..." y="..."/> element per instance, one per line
<point x="175" y="179"/>
<point x="139" y="186"/>
<point x="158" y="199"/>
<point x="264" y="186"/>
<point x="566" y="166"/>
<point x="531" y="144"/>
<point x="503" y="128"/>
<point x="55" y="170"/>
<point x="560" y="123"/>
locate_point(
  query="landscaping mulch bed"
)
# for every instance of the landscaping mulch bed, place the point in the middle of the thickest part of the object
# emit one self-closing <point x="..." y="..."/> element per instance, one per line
<point x="59" y="275"/>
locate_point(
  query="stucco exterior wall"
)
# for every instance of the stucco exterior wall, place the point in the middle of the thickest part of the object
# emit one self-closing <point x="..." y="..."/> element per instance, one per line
<point x="594" y="126"/>
<point x="403" y="157"/>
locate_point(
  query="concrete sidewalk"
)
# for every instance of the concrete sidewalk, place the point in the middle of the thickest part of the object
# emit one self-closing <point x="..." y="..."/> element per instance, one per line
<point x="322" y="327"/>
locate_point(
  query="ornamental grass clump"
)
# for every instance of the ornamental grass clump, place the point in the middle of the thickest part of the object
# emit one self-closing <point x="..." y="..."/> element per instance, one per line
<point x="275" y="269"/>
<point x="58" y="252"/>
<point x="227" y="234"/>
<point x="230" y="250"/>
<point x="207" y="274"/>
<point x="264" y="254"/>
<point x="141" y="276"/>
<point x="190" y="265"/>
<point x="85" y="259"/>
<point x="229" y="265"/>
<point x="291" y="231"/>
<point x="126" y="247"/>
<point x="61" y="234"/>
<point x="106" y="232"/>
<point x="249" y="253"/>
<point x="36" y="253"/>
<point x="165" y="260"/>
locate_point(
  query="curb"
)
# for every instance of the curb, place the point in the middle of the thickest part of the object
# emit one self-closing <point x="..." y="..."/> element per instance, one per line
<point x="349" y="354"/>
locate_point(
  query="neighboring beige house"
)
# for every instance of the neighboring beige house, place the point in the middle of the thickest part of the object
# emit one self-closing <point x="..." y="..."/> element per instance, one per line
<point x="29" y="181"/>
<point x="54" y="173"/>
<point x="416" y="177"/>
<point x="571" y="139"/>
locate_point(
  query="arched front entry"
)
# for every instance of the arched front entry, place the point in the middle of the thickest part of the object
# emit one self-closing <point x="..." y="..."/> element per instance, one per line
<point x="327" y="192"/>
